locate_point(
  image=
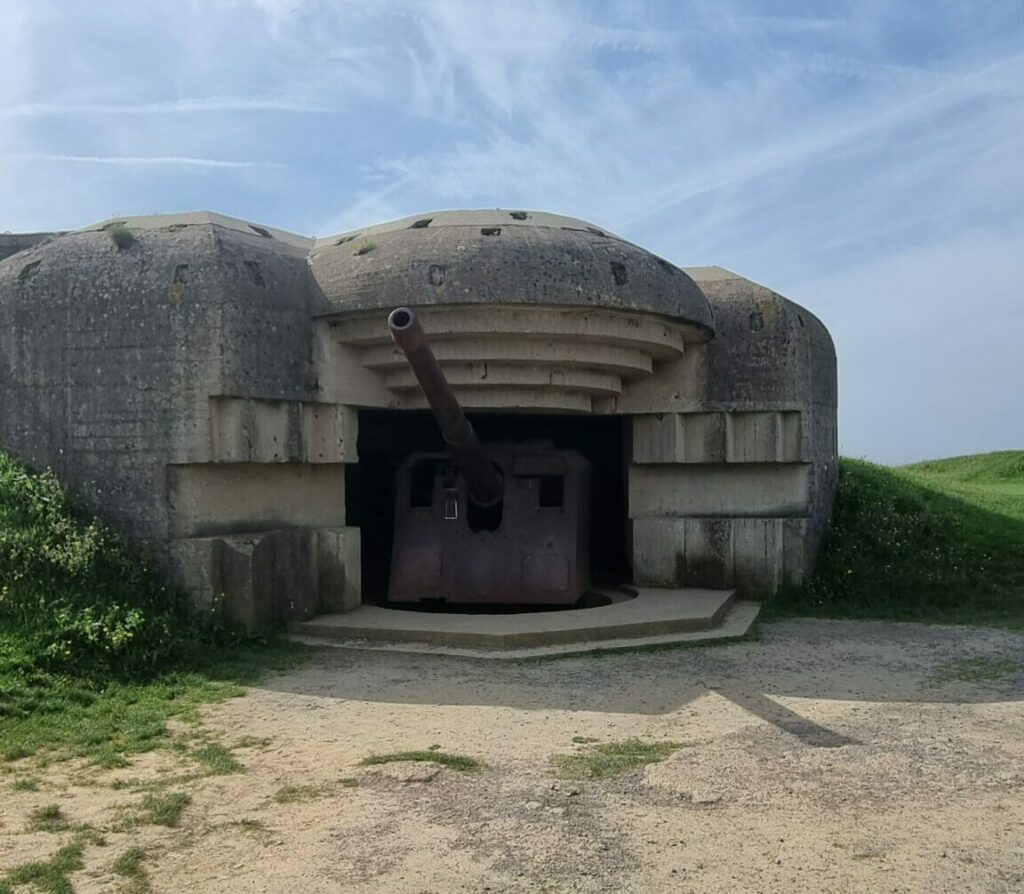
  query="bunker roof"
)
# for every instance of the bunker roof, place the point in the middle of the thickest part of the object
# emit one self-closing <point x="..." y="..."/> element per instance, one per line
<point x="503" y="257"/>
<point x="493" y="256"/>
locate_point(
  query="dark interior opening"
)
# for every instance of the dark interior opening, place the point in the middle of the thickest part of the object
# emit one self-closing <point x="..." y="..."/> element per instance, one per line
<point x="388" y="437"/>
<point x="421" y="484"/>
<point x="552" y="491"/>
<point x="484" y="518"/>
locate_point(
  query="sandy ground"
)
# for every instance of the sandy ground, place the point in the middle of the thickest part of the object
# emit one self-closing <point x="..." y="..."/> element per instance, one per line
<point x="825" y="757"/>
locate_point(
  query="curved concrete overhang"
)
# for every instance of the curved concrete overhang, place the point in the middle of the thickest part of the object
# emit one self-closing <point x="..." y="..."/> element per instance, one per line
<point x="524" y="310"/>
<point x="516" y="357"/>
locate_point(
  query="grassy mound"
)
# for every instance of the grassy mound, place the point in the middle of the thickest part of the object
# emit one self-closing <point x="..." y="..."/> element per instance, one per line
<point x="940" y="541"/>
<point x="1004" y="467"/>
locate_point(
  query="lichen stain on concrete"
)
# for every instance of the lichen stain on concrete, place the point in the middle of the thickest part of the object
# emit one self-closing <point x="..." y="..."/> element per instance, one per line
<point x="177" y="289"/>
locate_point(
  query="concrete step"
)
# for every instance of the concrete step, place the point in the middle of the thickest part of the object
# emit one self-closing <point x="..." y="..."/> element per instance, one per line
<point x="655" y="616"/>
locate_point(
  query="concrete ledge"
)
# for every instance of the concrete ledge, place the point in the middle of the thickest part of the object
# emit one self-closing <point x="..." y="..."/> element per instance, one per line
<point x="734" y="490"/>
<point x="736" y="624"/>
<point x="653" y="613"/>
<point x="207" y="499"/>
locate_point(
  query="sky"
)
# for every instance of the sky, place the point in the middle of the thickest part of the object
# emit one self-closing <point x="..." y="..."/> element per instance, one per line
<point x="863" y="158"/>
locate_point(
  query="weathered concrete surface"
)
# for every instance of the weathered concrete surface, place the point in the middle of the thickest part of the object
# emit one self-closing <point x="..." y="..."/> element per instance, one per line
<point x="779" y="490"/>
<point x="502" y="257"/>
<point x="754" y="554"/>
<point x="12" y="243"/>
<point x="548" y="359"/>
<point x="652" y="612"/>
<point x="272" y="576"/>
<point x="200" y="386"/>
<point x="217" y="498"/>
<point x="114" y="363"/>
<point x="763" y="392"/>
<point x="735" y="624"/>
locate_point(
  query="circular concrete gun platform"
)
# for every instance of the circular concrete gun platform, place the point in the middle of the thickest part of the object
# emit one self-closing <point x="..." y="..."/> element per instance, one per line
<point x="653" y="617"/>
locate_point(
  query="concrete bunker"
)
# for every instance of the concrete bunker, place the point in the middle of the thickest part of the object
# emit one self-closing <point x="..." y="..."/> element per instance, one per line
<point x="228" y="394"/>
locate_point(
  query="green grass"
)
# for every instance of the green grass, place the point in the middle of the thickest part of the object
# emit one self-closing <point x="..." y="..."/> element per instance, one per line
<point x="25" y="784"/>
<point x="977" y="669"/>
<point x="213" y="759"/>
<point x="59" y="716"/>
<point x="939" y="542"/>
<point x="79" y="596"/>
<point x="992" y="481"/>
<point x="253" y="742"/>
<point x="217" y="760"/>
<point x="49" y="876"/>
<point x="612" y="758"/>
<point x="1006" y="466"/>
<point x="129" y="866"/>
<point x="157" y="809"/>
<point x="248" y="823"/>
<point x="452" y="761"/>
<point x="293" y="794"/>
<point x="48" y="819"/>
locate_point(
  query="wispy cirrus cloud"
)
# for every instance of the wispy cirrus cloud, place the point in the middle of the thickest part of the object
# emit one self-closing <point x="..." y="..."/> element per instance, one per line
<point x="903" y="111"/>
<point x="145" y="160"/>
<point x="834" y="154"/>
<point x="192" y="106"/>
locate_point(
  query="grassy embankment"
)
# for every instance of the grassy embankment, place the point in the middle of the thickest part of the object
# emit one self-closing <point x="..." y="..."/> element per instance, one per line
<point x="96" y="654"/>
<point x="940" y="542"/>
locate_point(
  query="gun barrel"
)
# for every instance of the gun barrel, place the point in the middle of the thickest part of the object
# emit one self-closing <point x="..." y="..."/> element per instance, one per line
<point x="486" y="487"/>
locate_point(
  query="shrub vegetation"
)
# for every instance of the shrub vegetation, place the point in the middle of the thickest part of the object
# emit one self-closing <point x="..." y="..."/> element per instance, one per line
<point x="95" y="650"/>
<point x="121" y="236"/>
<point x="73" y="587"/>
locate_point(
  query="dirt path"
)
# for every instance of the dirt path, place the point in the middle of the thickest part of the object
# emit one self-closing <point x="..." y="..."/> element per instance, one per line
<point x="829" y="756"/>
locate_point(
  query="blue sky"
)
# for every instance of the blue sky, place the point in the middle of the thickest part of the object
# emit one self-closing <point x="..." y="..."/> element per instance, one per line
<point x="864" y="158"/>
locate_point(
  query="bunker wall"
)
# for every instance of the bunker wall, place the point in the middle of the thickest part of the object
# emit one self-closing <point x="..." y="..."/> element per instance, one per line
<point x="154" y="376"/>
<point x="197" y="378"/>
<point x="731" y="483"/>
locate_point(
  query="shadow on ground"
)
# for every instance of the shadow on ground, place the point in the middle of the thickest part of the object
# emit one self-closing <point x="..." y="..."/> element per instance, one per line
<point x="862" y="661"/>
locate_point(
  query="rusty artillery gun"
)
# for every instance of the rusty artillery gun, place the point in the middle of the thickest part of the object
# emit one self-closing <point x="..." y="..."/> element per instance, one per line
<point x="481" y="523"/>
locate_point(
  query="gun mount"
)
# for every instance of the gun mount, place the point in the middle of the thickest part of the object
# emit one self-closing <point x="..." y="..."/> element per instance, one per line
<point x="497" y="523"/>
